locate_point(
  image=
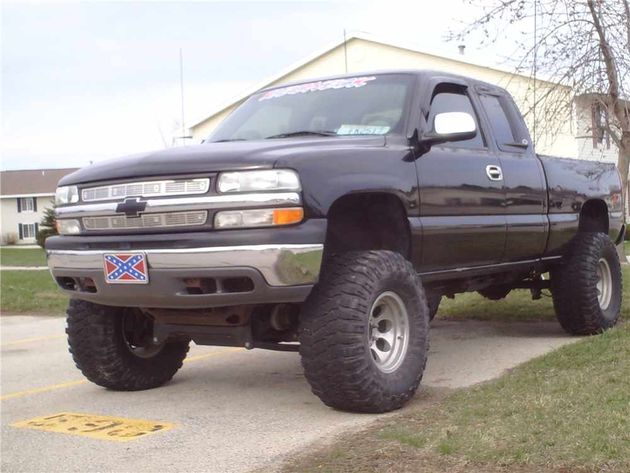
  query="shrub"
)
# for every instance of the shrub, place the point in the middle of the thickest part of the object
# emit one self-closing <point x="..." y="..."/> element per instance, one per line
<point x="10" y="238"/>
<point x="48" y="226"/>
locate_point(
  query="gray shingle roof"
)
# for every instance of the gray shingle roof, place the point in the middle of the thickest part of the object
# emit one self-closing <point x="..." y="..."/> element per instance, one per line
<point x="31" y="181"/>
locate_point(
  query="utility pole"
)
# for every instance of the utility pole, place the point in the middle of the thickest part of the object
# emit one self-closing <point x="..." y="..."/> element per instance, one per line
<point x="181" y="88"/>
<point x="345" y="50"/>
<point x="535" y="67"/>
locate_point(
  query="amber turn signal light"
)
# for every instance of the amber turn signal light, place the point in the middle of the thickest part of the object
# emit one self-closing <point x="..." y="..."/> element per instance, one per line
<point x="287" y="216"/>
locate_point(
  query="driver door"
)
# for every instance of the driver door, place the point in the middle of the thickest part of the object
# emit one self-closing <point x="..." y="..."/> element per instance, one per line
<point x="461" y="193"/>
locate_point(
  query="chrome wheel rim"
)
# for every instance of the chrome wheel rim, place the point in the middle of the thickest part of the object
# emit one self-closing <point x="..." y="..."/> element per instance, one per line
<point x="388" y="332"/>
<point x="604" y="284"/>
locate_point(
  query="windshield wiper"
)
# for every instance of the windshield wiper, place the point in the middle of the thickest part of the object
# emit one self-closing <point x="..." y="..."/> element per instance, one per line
<point x="227" y="140"/>
<point x="302" y="133"/>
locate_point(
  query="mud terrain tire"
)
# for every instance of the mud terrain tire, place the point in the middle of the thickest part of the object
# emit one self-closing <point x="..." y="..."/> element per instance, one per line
<point x="340" y="324"/>
<point x="100" y="350"/>
<point x="587" y="285"/>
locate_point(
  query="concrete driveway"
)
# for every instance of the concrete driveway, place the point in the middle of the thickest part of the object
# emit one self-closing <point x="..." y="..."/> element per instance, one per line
<point x="230" y="410"/>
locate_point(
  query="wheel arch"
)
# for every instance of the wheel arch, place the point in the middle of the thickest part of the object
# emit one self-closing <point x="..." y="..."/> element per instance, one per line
<point x="369" y="220"/>
<point x="594" y="217"/>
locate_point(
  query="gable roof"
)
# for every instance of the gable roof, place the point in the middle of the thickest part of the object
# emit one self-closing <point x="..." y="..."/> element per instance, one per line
<point x="354" y="36"/>
<point x="31" y="182"/>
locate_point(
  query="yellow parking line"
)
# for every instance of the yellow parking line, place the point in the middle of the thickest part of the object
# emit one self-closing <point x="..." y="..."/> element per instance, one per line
<point x="54" y="387"/>
<point x="31" y="340"/>
<point x="44" y="389"/>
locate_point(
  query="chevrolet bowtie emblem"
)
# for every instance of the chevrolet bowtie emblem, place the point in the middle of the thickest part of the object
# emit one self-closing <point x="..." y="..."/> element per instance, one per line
<point x="131" y="207"/>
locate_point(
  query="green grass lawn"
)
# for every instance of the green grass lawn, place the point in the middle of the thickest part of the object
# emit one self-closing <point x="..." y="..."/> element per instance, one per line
<point x="568" y="411"/>
<point x="22" y="256"/>
<point x="30" y="292"/>
<point x="517" y="306"/>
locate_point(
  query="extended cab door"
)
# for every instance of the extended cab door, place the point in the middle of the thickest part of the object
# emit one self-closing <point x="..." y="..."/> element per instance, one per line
<point x="461" y="204"/>
<point x="523" y="177"/>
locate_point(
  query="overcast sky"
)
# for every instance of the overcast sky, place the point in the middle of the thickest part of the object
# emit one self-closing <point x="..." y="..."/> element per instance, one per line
<point x="91" y="80"/>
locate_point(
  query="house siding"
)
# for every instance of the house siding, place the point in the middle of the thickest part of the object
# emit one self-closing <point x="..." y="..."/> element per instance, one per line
<point x="11" y="218"/>
<point x="606" y="151"/>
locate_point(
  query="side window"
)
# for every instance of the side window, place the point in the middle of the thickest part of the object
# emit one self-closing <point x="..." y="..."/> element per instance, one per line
<point x="448" y="98"/>
<point x="504" y="130"/>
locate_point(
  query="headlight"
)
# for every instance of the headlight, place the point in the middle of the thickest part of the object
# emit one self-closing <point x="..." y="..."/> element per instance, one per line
<point x="265" y="180"/>
<point x="68" y="227"/>
<point x="66" y="195"/>
<point x="258" y="218"/>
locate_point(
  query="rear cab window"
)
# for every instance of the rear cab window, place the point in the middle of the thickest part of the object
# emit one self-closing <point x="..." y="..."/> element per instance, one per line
<point x="506" y="124"/>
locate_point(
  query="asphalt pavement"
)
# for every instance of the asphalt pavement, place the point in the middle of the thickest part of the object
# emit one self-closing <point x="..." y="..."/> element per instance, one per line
<point x="227" y="410"/>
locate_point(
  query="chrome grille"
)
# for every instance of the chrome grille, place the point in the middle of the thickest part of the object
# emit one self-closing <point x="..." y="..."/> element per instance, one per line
<point x="153" y="220"/>
<point x="146" y="189"/>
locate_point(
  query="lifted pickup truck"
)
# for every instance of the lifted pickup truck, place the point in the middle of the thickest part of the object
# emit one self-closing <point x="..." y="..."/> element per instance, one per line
<point x="331" y="217"/>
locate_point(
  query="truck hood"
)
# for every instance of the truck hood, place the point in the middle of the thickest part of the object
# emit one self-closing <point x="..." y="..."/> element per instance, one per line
<point x="213" y="157"/>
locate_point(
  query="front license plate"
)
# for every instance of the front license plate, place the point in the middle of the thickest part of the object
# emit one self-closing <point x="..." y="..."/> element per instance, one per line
<point x="125" y="268"/>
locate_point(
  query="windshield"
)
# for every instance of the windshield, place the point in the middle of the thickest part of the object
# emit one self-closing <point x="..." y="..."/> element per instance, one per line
<point x="362" y="105"/>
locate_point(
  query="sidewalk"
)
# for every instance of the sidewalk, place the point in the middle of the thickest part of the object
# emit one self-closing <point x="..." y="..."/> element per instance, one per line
<point x="23" y="268"/>
<point x="19" y="247"/>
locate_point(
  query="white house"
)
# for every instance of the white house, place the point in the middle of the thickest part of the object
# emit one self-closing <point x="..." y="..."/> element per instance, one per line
<point x="24" y="196"/>
<point x="577" y="130"/>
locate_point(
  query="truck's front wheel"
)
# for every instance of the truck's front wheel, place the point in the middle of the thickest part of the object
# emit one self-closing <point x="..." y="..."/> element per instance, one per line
<point x="586" y="286"/>
<point x="364" y="332"/>
<point x="113" y="347"/>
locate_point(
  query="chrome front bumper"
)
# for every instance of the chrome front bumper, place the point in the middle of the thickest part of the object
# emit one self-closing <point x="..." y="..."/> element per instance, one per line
<point x="278" y="273"/>
<point x="280" y="265"/>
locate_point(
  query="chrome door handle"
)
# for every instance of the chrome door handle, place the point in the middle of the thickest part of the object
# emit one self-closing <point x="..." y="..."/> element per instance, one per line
<point x="494" y="173"/>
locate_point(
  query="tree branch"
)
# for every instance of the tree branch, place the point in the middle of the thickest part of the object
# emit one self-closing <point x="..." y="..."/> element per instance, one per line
<point x="609" y="60"/>
<point x="626" y="7"/>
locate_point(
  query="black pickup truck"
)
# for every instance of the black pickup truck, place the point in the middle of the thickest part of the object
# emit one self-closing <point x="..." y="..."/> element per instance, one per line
<point x="330" y="217"/>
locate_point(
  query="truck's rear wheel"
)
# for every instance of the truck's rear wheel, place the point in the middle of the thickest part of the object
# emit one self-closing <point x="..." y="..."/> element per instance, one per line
<point x="113" y="347"/>
<point x="364" y="332"/>
<point x="587" y="285"/>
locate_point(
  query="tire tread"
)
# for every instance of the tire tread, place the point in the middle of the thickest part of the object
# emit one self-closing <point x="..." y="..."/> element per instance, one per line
<point x="573" y="285"/>
<point x="98" y="350"/>
<point x="333" y="331"/>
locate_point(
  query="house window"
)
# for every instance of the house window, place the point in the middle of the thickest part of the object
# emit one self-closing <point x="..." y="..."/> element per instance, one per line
<point x="599" y="125"/>
<point x="27" y="230"/>
<point x="27" y="204"/>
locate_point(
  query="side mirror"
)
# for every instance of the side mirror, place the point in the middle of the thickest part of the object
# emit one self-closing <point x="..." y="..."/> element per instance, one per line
<point x="451" y="126"/>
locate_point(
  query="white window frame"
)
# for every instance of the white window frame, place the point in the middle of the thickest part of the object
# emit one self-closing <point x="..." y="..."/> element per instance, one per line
<point x="28" y="231"/>
<point x="27" y="204"/>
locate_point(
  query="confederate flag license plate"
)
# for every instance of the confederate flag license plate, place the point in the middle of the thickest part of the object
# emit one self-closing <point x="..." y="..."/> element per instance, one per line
<point x="126" y="268"/>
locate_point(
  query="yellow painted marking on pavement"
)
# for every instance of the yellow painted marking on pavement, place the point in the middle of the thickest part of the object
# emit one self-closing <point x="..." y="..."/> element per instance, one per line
<point x="54" y="387"/>
<point x="95" y="426"/>
<point x="31" y="340"/>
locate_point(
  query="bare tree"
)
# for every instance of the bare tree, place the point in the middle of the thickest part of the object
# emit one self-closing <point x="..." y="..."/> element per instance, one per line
<point x="581" y="47"/>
